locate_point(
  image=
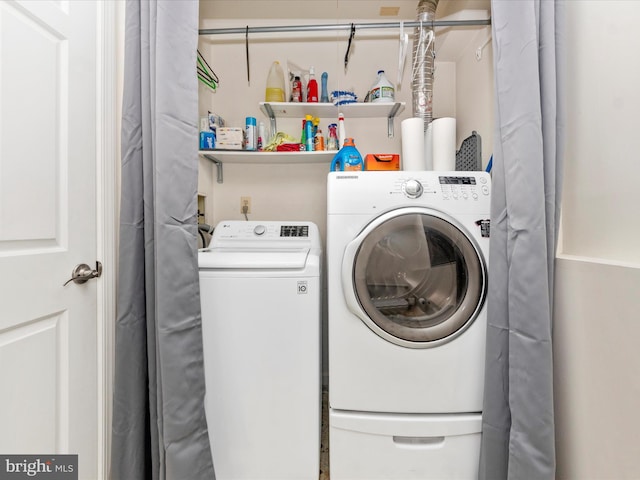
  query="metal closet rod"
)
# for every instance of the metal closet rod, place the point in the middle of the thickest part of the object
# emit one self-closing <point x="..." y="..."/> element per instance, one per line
<point x="346" y="26"/>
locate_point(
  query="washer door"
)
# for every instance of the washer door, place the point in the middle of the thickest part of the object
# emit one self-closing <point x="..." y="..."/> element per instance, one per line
<point x="414" y="277"/>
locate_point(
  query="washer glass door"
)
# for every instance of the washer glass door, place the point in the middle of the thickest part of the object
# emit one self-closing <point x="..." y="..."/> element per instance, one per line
<point x="419" y="280"/>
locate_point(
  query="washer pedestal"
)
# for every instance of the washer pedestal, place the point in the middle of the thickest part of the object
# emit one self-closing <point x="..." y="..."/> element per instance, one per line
<point x="373" y="446"/>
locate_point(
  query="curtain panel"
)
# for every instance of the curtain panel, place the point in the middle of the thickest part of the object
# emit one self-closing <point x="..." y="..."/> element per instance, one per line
<point x="159" y="427"/>
<point x="518" y="418"/>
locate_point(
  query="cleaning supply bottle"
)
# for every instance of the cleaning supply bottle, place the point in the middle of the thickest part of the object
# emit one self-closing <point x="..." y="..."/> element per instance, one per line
<point x="347" y="158"/>
<point x="318" y="146"/>
<point x="251" y="131"/>
<point x="382" y="90"/>
<point x="303" y="137"/>
<point x="296" y="90"/>
<point x="341" y="130"/>
<point x="332" y="139"/>
<point x="309" y="138"/>
<point x="312" y="87"/>
<point x="275" y="84"/>
<point x="262" y="140"/>
<point x="324" y="97"/>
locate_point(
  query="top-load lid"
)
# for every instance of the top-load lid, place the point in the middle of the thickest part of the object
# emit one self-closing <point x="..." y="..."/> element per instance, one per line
<point x="245" y="258"/>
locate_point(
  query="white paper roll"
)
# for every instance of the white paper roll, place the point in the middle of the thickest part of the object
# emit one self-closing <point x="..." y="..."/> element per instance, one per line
<point x="428" y="148"/>
<point x="444" y="143"/>
<point x="413" y="158"/>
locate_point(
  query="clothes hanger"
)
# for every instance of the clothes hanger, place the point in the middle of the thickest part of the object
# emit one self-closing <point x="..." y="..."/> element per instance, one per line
<point x="246" y="47"/>
<point x="346" y="55"/>
<point x="206" y="74"/>
<point x="402" y="54"/>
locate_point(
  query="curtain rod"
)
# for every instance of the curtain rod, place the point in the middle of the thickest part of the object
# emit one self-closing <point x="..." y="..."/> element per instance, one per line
<point x="346" y="26"/>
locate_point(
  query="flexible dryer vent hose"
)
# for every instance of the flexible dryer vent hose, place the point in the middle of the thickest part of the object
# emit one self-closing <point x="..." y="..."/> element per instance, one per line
<point x="423" y="62"/>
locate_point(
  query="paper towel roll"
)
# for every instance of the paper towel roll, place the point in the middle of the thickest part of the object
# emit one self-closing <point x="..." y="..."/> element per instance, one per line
<point x="428" y="147"/>
<point x="413" y="158"/>
<point x="444" y="143"/>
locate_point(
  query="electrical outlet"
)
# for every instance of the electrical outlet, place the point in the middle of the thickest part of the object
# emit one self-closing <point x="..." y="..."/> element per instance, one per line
<point x="245" y="205"/>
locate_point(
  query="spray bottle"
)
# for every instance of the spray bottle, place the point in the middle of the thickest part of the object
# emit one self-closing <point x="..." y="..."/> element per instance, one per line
<point x="332" y="139"/>
<point x="312" y="87"/>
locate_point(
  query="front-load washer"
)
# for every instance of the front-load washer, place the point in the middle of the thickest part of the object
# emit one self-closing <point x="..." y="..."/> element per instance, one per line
<point x="260" y="293"/>
<point x="407" y="260"/>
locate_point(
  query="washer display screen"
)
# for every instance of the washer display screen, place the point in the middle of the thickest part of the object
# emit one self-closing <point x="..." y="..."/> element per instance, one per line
<point x="294" y="231"/>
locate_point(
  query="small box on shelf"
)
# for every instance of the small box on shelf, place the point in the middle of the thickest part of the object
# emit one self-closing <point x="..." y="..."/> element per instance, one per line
<point x="207" y="141"/>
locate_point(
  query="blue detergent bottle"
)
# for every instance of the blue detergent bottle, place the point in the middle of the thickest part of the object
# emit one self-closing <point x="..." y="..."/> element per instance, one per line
<point x="348" y="158"/>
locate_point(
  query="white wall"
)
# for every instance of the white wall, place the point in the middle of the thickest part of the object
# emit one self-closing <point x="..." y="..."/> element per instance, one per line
<point x="474" y="92"/>
<point x="601" y="218"/>
<point x="597" y="297"/>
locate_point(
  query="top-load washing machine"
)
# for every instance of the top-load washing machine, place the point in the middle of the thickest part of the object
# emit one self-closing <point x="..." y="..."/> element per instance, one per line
<point x="407" y="260"/>
<point x="260" y="290"/>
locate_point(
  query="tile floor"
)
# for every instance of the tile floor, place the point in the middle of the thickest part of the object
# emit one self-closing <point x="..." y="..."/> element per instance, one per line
<point x="324" y="439"/>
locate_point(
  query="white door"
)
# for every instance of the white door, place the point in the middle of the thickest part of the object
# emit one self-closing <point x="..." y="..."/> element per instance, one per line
<point x="48" y="333"/>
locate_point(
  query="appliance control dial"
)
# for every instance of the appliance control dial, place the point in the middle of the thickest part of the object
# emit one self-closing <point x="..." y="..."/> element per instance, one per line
<point x="412" y="188"/>
<point x="259" y="230"/>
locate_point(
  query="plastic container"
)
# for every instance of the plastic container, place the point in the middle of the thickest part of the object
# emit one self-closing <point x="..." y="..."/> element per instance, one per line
<point x="318" y="146"/>
<point x="382" y="90"/>
<point x="275" y="84"/>
<point x="324" y="96"/>
<point x="296" y="90"/>
<point x="251" y="130"/>
<point x="341" y="130"/>
<point x="332" y="139"/>
<point x="262" y="140"/>
<point x="312" y="87"/>
<point x="348" y="158"/>
<point x="309" y="138"/>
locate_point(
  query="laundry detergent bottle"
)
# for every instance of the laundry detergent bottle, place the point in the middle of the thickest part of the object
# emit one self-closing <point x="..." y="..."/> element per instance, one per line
<point x="348" y="158"/>
<point x="275" y="84"/>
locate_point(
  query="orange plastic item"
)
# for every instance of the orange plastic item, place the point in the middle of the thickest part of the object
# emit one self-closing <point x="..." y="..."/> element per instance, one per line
<point x="382" y="161"/>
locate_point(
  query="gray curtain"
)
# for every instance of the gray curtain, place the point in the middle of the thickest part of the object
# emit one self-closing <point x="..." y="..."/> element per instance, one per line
<point x="159" y="427"/>
<point x="518" y="418"/>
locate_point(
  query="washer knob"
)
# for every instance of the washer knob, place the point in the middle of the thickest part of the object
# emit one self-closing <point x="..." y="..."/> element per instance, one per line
<point x="412" y="188"/>
<point x="259" y="230"/>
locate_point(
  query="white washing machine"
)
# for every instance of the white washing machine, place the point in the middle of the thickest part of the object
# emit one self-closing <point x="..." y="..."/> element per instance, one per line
<point x="407" y="260"/>
<point x="260" y="293"/>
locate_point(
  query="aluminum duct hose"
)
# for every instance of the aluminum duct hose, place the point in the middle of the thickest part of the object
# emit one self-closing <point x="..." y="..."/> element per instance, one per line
<point x="423" y="62"/>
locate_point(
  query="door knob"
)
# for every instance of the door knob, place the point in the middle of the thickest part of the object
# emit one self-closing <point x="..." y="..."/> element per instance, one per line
<point x="83" y="272"/>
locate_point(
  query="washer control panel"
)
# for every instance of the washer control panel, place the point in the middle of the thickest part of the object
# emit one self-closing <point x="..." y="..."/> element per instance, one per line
<point x="454" y="187"/>
<point x="412" y="188"/>
<point x="256" y="230"/>
<point x="463" y="187"/>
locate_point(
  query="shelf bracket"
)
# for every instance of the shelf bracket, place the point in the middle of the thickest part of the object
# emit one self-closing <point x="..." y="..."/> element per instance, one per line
<point x="390" y="119"/>
<point x="272" y="119"/>
<point x="218" y="165"/>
